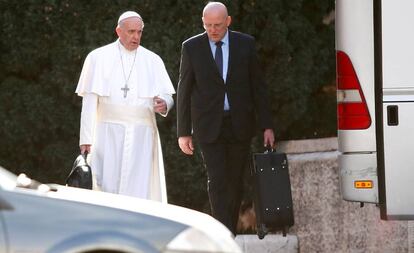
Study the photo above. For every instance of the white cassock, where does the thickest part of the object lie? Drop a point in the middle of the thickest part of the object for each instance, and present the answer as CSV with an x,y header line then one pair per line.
x,y
126,155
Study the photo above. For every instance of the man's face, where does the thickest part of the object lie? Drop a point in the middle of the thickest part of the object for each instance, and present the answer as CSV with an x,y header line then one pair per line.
x,y
129,32
215,24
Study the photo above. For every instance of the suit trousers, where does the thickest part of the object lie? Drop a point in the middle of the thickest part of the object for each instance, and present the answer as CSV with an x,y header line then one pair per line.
x,y
225,160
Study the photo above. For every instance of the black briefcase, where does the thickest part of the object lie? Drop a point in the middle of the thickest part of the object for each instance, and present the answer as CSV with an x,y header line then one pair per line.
x,y
81,174
273,196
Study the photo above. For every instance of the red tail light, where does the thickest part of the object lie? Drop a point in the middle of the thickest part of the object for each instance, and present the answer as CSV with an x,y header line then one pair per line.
x,y
352,108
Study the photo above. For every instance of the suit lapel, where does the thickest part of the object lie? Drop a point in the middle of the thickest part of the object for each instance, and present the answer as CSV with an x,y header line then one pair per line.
x,y
211,63
207,51
232,53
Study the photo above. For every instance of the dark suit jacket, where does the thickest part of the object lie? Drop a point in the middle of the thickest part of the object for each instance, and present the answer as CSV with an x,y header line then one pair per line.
x,y
200,95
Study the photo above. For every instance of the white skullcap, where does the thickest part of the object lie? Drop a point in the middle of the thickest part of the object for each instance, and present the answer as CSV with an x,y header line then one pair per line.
x,y
128,14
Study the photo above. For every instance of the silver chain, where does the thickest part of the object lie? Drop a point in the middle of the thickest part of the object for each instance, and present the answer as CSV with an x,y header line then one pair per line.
x,y
123,69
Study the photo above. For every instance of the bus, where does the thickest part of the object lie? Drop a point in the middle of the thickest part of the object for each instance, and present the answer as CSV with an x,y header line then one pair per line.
x,y
375,103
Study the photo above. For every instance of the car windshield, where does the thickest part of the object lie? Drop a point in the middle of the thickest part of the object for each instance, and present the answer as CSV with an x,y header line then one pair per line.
x,y
7,179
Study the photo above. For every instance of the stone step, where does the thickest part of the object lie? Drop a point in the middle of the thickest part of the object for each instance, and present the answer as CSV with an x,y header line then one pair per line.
x,y
272,243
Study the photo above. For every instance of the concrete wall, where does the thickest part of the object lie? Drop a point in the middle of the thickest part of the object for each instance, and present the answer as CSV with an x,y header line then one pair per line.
x,y
326,223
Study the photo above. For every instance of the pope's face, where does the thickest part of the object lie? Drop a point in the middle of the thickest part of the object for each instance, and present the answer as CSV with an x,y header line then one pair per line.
x,y
215,23
129,32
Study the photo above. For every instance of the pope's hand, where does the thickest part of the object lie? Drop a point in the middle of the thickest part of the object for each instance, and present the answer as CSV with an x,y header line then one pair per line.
x,y
186,144
160,106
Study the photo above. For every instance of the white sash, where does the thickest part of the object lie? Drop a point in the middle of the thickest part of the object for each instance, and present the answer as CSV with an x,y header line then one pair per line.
x,y
126,114
123,114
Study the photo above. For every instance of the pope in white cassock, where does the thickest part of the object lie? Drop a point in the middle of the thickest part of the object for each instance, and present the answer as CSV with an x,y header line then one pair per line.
x,y
122,86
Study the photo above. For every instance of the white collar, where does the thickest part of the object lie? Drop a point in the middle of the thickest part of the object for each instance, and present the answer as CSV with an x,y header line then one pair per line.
x,y
124,50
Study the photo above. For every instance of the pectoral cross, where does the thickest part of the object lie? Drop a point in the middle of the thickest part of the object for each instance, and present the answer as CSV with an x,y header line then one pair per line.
x,y
125,90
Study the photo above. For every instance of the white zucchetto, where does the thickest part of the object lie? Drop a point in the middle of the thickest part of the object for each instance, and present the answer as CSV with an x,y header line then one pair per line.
x,y
128,14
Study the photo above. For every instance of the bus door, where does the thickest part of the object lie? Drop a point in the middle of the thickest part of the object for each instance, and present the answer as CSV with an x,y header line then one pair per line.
x,y
397,21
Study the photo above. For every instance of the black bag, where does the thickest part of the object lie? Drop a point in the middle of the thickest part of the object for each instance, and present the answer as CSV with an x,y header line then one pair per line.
x,y
273,196
81,173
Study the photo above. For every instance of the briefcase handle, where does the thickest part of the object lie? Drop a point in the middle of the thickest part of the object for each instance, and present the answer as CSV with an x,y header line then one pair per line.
x,y
85,156
269,149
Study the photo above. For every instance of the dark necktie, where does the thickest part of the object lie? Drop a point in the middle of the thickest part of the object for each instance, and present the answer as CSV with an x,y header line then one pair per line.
x,y
218,57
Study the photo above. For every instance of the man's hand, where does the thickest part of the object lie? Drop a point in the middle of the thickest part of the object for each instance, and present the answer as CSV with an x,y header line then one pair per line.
x,y
269,138
85,148
186,144
160,106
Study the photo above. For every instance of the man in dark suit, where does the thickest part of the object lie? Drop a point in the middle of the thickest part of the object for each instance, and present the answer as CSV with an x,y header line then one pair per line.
x,y
220,94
